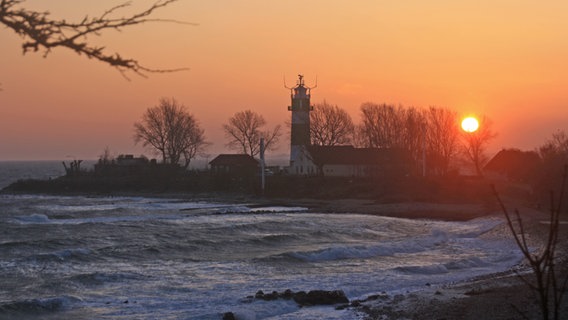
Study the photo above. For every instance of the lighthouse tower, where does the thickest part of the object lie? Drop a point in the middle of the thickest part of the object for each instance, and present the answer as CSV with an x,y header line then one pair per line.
x,y
300,133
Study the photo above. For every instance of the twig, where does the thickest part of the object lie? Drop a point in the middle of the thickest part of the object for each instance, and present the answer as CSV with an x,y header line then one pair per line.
x,y
543,264
40,32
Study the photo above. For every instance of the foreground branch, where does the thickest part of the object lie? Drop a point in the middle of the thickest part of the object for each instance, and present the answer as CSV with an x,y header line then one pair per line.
x,y
42,33
550,288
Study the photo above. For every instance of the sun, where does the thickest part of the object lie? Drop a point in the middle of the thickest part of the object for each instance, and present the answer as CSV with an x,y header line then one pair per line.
x,y
469,124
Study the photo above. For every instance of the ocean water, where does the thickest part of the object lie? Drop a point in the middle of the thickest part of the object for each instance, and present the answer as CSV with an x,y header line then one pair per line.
x,y
11,171
149,258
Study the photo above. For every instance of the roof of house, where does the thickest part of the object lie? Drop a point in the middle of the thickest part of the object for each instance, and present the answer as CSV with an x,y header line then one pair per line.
x,y
349,155
234,160
508,160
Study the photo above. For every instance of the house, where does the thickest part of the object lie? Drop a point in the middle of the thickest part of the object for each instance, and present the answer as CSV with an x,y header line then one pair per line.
x,y
512,165
348,161
234,165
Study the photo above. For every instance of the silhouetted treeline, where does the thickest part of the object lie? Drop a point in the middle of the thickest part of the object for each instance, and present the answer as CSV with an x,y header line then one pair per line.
x,y
432,136
548,176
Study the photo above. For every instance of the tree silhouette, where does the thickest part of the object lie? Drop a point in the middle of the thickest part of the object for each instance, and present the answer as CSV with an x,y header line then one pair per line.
x,y
390,126
40,32
556,147
554,155
244,133
381,126
475,144
550,279
172,131
442,138
330,125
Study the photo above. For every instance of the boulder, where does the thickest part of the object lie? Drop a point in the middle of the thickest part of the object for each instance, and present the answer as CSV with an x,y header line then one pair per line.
x,y
312,298
266,296
320,297
229,316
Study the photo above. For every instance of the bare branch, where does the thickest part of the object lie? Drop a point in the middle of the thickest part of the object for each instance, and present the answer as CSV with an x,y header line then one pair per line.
x,y
171,131
244,133
547,287
330,125
42,33
441,133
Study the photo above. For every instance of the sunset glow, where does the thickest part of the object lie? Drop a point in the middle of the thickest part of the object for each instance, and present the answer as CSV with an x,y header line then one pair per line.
x,y
506,60
469,124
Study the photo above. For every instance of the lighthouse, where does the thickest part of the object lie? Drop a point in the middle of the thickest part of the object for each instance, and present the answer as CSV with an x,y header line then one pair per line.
x,y
300,131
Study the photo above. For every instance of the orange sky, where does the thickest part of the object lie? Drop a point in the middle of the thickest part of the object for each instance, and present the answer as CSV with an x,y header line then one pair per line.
x,y
505,59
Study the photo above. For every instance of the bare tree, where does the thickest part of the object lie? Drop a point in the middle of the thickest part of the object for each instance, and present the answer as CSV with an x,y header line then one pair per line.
x,y
442,138
244,133
330,125
381,126
556,147
43,33
475,144
550,283
554,155
389,126
413,136
171,131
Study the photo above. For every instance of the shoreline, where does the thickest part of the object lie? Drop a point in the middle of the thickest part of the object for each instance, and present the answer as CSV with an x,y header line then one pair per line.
x,y
407,209
450,211
492,296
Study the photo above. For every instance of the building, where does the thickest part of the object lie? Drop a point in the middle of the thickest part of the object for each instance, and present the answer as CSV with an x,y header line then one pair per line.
x,y
234,165
348,161
300,131
512,165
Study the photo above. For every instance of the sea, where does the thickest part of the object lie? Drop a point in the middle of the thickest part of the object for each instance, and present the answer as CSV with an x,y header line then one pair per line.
x,y
87,257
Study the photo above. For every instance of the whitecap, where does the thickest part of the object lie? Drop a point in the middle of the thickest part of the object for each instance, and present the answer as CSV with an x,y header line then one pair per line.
x,y
278,209
34,218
